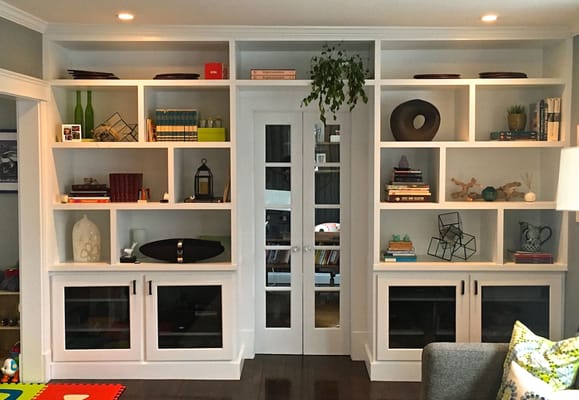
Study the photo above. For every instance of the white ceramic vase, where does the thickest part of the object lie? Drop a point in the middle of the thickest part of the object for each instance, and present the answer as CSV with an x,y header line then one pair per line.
x,y
86,241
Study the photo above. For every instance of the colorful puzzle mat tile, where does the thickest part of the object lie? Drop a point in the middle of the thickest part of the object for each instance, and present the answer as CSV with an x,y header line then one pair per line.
x,y
80,391
20,391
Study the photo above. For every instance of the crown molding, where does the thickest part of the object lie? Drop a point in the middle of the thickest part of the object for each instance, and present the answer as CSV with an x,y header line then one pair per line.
x,y
152,33
20,17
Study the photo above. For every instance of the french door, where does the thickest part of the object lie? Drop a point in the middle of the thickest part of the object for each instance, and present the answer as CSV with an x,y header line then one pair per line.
x,y
302,278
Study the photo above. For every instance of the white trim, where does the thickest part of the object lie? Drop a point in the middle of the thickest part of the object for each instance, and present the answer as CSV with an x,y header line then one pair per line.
x,y
20,17
23,86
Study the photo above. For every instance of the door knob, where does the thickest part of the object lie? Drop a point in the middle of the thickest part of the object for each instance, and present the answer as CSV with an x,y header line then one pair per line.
x,y
295,249
308,248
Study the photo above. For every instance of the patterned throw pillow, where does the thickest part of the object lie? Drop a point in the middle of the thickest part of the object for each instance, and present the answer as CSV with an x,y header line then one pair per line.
x,y
521,385
555,363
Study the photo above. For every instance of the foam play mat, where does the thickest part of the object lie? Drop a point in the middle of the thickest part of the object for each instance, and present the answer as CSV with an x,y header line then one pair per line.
x,y
20,391
60,391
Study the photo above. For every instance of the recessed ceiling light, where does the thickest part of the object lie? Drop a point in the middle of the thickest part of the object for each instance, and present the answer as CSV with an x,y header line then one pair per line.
x,y
124,16
489,18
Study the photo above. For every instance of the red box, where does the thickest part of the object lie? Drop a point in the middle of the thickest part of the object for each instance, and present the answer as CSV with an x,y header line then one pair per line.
x,y
215,70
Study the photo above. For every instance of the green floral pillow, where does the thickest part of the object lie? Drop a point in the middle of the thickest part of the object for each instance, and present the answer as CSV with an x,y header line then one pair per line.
x,y
555,363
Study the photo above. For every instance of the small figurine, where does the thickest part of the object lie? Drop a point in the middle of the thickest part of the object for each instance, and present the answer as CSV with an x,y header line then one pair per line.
x,y
128,254
403,163
10,371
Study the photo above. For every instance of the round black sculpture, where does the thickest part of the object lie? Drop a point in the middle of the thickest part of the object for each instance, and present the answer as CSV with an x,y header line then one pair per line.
x,y
403,116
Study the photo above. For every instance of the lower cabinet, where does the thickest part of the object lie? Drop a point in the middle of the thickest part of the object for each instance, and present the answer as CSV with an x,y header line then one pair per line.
x,y
142,316
413,311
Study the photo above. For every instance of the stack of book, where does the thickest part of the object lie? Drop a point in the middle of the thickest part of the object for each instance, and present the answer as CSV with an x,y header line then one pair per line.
x,y
545,118
89,193
407,185
526,257
514,135
273,74
400,251
176,125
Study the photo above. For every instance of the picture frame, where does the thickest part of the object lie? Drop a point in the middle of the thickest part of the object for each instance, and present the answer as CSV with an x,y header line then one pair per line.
x,y
71,132
8,162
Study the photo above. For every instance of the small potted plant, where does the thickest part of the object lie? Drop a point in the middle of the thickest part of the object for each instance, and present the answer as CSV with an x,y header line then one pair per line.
x,y
516,117
336,78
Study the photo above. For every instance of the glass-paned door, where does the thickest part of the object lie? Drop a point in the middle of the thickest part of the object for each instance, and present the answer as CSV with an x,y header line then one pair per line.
x,y
96,317
302,304
498,300
413,312
189,316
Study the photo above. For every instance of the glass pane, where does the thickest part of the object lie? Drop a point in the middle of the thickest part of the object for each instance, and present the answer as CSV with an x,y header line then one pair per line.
x,y
189,317
327,226
327,185
277,267
277,227
503,305
277,143
277,185
97,317
327,144
327,309
277,309
327,267
419,315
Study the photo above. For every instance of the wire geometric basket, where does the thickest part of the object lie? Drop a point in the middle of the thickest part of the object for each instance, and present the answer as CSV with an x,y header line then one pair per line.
x,y
115,129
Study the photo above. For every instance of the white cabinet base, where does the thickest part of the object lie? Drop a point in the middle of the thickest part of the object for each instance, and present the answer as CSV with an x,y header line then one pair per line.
x,y
218,370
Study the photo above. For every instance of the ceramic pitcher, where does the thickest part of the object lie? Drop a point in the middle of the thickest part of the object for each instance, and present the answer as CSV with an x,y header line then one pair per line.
x,y
533,237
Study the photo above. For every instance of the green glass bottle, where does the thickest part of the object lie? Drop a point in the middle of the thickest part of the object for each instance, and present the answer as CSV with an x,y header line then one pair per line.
x,y
88,117
78,115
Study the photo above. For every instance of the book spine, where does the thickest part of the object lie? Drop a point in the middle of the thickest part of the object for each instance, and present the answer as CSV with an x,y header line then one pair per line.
x,y
408,198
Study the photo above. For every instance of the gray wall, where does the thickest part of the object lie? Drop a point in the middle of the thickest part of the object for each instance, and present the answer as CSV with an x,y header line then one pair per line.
x,y
572,292
21,49
8,201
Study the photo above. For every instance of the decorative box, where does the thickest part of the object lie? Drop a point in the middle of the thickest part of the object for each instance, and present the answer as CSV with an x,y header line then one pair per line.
x,y
211,134
215,70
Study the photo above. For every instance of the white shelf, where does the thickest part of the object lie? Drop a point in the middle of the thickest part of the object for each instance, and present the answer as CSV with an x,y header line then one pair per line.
x,y
141,267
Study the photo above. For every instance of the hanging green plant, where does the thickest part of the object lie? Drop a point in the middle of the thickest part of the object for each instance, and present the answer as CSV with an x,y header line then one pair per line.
x,y
330,73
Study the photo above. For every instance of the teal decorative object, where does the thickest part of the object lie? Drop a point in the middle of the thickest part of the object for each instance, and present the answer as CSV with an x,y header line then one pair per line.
x,y
489,193
78,115
88,117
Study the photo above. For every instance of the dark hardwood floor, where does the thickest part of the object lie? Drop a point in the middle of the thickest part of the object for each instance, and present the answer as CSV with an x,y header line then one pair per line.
x,y
269,377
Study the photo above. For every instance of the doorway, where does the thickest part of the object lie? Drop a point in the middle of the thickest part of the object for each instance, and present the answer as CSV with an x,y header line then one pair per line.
x,y
302,279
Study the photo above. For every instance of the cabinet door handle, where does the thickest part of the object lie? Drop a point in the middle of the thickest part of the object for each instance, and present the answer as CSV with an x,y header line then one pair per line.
x,y
134,286
150,288
476,288
462,287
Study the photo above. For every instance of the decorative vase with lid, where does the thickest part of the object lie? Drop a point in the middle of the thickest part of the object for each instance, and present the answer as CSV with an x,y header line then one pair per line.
x,y
86,241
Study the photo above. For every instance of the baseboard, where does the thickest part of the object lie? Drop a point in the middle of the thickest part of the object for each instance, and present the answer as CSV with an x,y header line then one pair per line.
x,y
392,371
204,370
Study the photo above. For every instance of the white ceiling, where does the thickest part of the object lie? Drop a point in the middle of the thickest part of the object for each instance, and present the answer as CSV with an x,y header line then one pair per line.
x,y
414,13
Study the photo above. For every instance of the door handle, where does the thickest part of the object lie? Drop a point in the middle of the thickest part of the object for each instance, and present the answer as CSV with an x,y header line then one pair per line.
x,y
295,249
134,286
476,287
308,248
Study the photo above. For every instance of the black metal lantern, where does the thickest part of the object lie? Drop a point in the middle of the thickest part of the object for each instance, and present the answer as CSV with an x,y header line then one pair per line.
x,y
203,182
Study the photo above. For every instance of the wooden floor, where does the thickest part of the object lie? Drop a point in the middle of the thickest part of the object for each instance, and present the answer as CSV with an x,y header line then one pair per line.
x,y
280,378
